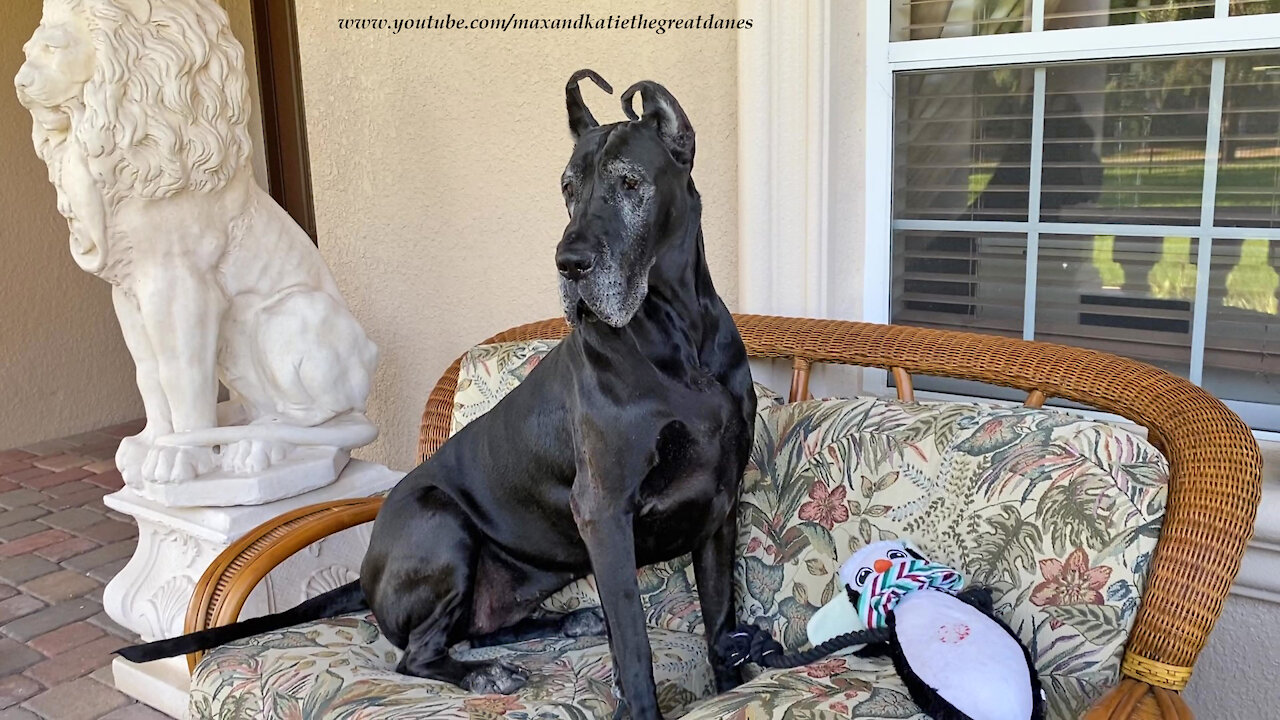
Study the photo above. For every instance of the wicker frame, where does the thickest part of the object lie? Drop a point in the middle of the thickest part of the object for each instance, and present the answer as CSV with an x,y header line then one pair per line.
x,y
1213,497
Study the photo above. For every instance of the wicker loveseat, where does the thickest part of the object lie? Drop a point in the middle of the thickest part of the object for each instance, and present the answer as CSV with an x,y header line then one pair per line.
x,y
1110,558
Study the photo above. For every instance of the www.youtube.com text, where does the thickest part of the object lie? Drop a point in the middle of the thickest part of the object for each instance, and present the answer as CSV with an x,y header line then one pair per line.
x,y
583,21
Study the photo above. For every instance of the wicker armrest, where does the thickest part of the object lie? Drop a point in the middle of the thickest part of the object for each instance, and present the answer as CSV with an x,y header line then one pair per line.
x,y
222,590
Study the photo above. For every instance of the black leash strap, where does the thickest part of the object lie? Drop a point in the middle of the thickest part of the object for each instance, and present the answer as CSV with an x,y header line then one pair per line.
x,y
751,643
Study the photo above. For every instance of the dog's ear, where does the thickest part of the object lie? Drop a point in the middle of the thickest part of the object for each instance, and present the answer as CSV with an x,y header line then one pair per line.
x,y
580,118
661,107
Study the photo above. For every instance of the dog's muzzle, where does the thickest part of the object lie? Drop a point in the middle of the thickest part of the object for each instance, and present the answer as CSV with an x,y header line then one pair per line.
x,y
574,261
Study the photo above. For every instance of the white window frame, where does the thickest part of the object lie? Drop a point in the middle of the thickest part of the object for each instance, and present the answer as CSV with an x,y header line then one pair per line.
x,y
1209,36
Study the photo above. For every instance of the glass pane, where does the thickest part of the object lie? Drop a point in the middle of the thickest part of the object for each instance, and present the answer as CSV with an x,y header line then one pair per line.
x,y
962,144
1124,141
1254,7
1242,338
929,19
1064,14
1249,155
959,280
1131,296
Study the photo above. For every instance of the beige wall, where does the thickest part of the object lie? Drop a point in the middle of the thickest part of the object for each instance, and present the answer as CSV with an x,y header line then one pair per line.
x,y
1236,674
63,365
435,160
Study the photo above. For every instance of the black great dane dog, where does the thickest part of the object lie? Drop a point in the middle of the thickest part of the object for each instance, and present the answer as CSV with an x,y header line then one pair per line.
x,y
625,446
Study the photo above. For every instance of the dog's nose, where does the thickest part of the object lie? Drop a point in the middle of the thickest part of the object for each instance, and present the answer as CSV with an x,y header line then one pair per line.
x,y
573,260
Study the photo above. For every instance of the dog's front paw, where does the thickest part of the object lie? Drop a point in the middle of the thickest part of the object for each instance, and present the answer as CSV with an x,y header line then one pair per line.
x,y
728,679
253,456
176,464
496,678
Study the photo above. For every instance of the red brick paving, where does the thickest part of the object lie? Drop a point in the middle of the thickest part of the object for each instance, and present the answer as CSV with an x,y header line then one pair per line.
x,y
65,638
68,548
31,543
79,541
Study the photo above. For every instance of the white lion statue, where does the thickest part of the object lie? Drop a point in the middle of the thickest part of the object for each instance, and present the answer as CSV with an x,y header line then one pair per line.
x,y
140,110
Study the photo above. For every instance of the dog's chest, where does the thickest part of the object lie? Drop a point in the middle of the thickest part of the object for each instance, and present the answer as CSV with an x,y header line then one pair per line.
x,y
693,483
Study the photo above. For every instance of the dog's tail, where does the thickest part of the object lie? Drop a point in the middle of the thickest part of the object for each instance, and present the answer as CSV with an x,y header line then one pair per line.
x,y
346,599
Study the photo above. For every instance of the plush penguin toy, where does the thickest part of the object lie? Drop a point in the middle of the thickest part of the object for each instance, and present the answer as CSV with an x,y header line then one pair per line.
x,y
957,659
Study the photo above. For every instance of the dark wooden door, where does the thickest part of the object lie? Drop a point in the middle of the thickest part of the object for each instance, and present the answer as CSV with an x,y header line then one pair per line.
x,y
283,119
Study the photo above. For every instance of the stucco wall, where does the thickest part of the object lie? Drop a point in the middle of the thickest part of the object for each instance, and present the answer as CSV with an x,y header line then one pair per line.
x,y
1236,674
436,157
63,366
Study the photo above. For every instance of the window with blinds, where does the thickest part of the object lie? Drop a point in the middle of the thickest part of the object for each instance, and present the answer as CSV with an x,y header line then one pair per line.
x,y
1130,205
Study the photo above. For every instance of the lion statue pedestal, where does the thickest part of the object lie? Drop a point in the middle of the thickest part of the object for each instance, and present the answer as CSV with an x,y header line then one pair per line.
x,y
140,111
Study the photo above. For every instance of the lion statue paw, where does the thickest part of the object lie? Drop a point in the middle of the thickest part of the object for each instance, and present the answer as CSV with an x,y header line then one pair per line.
x,y
176,464
253,456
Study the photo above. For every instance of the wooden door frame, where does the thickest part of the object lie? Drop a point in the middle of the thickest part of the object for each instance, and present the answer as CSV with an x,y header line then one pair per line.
x,y
284,126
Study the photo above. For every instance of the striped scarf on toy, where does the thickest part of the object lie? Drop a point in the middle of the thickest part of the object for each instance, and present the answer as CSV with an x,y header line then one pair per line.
x,y
882,592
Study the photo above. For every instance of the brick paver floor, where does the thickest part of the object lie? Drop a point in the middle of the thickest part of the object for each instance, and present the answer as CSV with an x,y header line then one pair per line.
x,y
59,545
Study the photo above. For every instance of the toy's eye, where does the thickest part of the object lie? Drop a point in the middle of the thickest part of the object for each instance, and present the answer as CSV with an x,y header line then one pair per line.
x,y
862,575
896,555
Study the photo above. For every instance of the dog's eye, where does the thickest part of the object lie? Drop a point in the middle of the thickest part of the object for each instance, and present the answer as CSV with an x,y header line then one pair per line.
x,y
567,189
630,182
862,576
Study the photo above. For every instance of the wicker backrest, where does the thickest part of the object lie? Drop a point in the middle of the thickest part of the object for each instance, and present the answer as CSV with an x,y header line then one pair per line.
x,y
1215,464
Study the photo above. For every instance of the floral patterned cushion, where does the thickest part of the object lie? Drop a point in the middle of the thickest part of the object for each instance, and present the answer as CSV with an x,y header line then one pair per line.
x,y
839,688
344,669
1058,514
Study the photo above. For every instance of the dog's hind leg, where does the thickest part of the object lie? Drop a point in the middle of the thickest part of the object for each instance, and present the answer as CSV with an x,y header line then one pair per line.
x,y
421,570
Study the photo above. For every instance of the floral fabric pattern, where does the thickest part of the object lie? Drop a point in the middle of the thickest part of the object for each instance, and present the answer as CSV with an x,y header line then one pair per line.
x,y
343,669
836,688
1058,514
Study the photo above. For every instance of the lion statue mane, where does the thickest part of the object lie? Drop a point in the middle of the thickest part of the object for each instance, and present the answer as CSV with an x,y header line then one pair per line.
x,y
140,108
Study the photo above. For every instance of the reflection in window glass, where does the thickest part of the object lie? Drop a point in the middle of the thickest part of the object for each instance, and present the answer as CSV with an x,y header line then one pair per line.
x,y
1066,14
1242,337
1121,197
963,144
1124,141
959,281
1131,296
1249,154
1254,7
929,19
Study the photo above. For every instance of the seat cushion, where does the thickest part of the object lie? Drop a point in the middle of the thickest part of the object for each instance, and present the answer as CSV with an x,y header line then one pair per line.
x,y
838,688
1057,513
344,668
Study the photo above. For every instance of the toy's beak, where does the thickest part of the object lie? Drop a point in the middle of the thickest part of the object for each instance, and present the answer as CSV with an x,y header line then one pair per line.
x,y
835,618
882,565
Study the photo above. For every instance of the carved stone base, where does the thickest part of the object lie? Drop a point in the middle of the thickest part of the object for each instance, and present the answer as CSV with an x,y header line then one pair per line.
x,y
305,470
151,593
175,545
163,684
